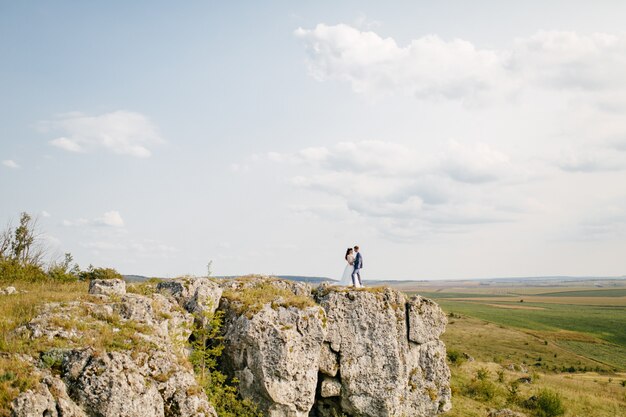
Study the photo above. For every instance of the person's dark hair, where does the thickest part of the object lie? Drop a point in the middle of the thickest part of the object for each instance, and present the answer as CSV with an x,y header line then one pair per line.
x,y
347,253
356,247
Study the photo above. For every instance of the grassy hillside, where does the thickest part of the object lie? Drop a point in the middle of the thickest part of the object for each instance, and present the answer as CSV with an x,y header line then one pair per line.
x,y
572,343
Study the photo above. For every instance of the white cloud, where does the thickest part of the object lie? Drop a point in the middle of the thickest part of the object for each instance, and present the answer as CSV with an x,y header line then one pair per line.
x,y
111,218
44,213
9,163
430,67
67,144
121,132
398,188
475,165
145,248
568,60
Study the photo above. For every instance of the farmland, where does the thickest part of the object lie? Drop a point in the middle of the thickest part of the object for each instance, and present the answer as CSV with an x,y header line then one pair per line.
x,y
567,337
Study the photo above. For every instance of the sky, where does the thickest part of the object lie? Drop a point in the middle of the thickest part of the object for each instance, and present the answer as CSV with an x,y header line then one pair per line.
x,y
448,139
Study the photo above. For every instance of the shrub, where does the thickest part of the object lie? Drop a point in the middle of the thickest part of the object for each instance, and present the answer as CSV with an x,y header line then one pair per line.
x,y
64,271
455,357
482,374
501,376
545,403
481,390
99,273
207,344
12,271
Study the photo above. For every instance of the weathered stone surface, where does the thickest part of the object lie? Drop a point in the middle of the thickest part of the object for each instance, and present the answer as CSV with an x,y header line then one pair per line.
x,y
330,388
147,380
426,320
107,287
35,403
196,295
111,384
382,372
65,405
10,290
365,352
329,362
275,355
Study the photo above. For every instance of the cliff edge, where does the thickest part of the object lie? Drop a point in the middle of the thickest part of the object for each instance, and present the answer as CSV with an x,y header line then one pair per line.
x,y
295,350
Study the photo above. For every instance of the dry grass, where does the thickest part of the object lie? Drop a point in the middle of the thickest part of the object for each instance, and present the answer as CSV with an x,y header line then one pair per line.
x,y
251,298
102,332
586,394
495,347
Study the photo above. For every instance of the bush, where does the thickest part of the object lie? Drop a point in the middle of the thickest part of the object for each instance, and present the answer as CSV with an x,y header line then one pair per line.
x,y
99,273
455,357
11,271
64,271
481,390
545,403
482,374
207,344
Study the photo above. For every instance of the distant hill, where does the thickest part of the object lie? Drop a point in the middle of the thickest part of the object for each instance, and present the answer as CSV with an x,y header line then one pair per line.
x,y
299,278
310,280
135,278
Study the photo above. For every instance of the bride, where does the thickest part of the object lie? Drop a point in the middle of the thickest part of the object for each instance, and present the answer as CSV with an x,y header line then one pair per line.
x,y
346,278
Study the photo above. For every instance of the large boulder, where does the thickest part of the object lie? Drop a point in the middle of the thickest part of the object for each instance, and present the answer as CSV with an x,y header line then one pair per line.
x,y
275,356
384,369
107,287
196,295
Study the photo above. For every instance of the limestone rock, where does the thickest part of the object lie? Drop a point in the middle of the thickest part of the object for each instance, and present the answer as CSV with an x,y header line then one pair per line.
x,y
35,403
382,371
10,290
329,362
275,355
330,388
147,379
426,320
196,295
107,287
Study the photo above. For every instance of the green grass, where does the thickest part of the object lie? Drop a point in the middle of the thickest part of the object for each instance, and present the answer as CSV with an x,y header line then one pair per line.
x,y
444,295
494,347
613,292
604,326
606,323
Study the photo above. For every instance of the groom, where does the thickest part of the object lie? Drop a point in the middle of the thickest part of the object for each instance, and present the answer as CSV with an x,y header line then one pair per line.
x,y
358,264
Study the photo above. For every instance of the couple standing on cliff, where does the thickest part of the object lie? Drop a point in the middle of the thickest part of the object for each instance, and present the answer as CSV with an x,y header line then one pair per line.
x,y
352,272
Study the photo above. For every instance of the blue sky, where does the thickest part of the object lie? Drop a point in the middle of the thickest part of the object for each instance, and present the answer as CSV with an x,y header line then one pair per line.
x,y
448,139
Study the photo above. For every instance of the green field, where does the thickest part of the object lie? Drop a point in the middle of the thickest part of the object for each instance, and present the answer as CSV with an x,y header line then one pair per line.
x,y
570,342
606,326
613,292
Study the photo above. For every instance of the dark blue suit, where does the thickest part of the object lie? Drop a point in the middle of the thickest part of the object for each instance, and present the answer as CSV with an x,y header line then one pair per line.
x,y
356,274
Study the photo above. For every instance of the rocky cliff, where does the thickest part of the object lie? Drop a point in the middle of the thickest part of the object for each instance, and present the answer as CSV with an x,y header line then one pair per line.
x,y
295,350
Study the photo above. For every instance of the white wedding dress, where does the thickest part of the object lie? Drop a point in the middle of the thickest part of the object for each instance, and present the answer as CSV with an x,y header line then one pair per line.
x,y
346,278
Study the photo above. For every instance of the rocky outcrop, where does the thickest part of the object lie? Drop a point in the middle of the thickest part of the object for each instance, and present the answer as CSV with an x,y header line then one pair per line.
x,y
390,359
107,287
275,356
295,350
123,357
366,352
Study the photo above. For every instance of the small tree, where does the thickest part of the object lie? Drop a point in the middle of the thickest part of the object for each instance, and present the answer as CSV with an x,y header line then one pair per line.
x,y
208,345
64,270
20,244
